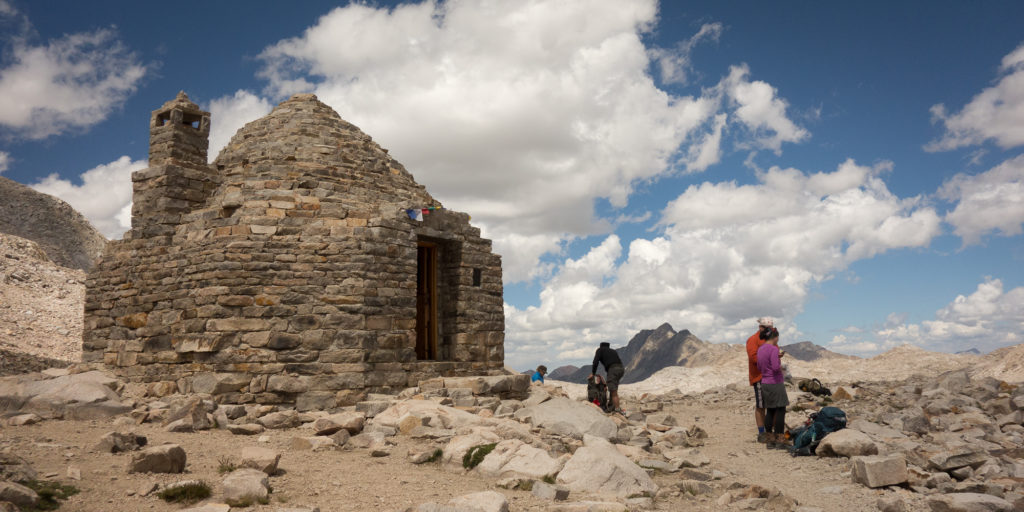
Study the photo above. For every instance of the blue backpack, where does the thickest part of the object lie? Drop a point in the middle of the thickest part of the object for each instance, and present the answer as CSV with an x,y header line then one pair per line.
x,y
820,424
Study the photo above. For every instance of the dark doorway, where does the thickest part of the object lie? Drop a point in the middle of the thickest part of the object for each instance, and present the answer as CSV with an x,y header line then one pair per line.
x,y
426,301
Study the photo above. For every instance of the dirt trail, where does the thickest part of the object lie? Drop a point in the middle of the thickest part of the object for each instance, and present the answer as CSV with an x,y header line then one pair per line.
x,y
813,481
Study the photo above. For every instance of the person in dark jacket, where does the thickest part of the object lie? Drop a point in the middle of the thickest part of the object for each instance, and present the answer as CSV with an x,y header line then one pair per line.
x,y
607,356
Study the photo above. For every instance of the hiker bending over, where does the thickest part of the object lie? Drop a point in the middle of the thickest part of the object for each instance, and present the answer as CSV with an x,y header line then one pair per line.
x,y
753,343
774,389
613,366
538,376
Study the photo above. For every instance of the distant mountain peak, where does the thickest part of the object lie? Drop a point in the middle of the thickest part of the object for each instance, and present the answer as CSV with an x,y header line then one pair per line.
x,y
651,350
809,351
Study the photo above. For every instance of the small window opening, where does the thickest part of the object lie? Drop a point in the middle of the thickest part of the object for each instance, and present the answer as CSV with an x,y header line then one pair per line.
x,y
163,119
191,120
476,277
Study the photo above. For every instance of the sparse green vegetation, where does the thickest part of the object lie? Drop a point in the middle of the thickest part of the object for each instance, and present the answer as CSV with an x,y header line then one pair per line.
x,y
225,465
549,479
436,456
475,455
190,492
525,485
50,493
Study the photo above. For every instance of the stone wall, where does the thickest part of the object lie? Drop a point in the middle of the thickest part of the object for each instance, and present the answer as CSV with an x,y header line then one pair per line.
x,y
286,271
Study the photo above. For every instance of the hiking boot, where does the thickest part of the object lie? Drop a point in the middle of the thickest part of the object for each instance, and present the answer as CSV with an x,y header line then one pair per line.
x,y
762,437
779,442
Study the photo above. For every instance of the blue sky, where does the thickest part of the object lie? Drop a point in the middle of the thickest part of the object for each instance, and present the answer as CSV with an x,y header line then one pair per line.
x,y
854,170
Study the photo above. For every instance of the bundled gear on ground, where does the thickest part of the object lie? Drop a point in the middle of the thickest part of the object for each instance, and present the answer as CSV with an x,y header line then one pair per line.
x,y
815,387
597,392
817,426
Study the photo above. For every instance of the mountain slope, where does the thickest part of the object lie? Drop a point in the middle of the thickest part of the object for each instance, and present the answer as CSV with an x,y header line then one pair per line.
x,y
808,351
64,234
651,350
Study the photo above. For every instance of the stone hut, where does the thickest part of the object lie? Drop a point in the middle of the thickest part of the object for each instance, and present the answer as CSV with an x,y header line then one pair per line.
x,y
305,266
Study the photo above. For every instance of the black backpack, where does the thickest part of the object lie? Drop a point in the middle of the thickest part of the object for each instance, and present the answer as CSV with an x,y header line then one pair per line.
x,y
819,425
597,393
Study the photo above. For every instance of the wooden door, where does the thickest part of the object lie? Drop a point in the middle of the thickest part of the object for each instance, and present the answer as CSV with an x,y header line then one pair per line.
x,y
426,301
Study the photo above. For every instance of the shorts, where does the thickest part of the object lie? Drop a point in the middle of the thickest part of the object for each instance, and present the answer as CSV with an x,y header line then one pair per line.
x,y
758,395
615,374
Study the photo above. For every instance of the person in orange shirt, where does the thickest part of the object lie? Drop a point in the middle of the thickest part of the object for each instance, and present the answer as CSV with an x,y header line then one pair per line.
x,y
753,343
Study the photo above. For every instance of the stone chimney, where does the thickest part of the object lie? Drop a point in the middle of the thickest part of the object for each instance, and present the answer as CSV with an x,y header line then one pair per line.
x,y
178,177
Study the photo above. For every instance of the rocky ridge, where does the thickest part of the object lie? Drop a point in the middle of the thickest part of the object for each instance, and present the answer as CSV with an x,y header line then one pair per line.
x,y
61,231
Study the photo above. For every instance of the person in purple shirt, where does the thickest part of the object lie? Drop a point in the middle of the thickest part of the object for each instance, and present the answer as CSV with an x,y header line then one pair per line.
x,y
773,386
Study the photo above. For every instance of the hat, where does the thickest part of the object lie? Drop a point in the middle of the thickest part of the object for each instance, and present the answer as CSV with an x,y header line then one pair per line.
x,y
765,321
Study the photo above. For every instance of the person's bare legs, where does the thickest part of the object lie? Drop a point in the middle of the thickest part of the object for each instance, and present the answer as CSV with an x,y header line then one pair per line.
x,y
615,400
759,417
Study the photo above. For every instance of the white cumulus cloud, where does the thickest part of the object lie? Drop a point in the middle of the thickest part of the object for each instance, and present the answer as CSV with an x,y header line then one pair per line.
x,y
987,202
996,113
675,66
761,111
68,83
987,319
104,195
524,113
728,254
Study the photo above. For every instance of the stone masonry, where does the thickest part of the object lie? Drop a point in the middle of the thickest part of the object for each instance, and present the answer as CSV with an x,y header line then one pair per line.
x,y
288,271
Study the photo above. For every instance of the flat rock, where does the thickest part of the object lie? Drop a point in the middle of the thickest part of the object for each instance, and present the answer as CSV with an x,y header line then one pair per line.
x,y
372,408
514,458
546,491
280,420
24,419
166,458
350,421
879,470
18,494
245,486
968,502
209,507
486,501
246,429
459,445
569,417
587,506
846,443
954,459
431,414
598,467
257,457
115,442
313,443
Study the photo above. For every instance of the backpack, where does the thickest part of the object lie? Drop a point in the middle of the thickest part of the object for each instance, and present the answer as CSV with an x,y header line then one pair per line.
x,y
814,386
597,393
819,425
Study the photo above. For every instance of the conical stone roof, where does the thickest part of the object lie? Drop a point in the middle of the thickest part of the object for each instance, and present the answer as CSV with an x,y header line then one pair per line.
x,y
304,136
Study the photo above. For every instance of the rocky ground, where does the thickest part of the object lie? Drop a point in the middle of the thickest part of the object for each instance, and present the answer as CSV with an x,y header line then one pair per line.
x,y
952,443
40,308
